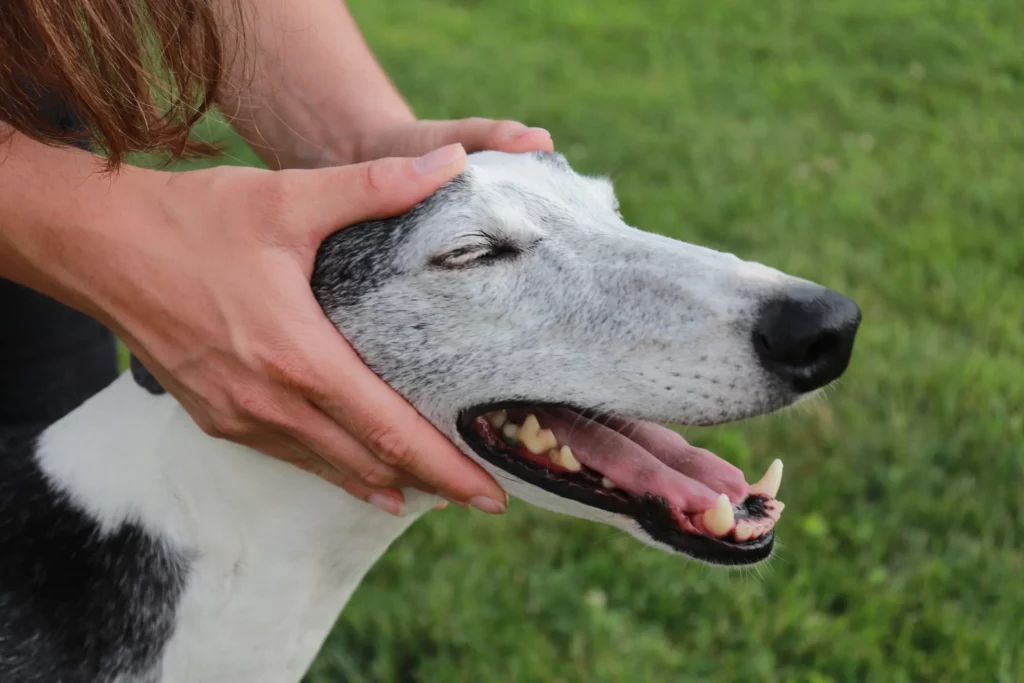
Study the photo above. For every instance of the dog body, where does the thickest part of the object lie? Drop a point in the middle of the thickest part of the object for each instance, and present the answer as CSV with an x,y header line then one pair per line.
x,y
136,549
181,557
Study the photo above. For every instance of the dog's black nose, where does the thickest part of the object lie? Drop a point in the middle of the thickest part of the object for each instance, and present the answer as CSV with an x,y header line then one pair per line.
x,y
806,337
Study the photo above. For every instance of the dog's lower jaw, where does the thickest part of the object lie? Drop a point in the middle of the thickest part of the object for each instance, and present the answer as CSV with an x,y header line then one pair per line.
x,y
274,553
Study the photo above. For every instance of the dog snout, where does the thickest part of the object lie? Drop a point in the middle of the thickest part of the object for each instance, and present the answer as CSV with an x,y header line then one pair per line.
x,y
806,337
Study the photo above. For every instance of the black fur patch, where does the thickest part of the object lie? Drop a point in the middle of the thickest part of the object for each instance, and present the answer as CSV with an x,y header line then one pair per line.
x,y
555,159
77,606
351,261
355,260
142,377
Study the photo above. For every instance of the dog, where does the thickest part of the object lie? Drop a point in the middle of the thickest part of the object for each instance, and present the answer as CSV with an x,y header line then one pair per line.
x,y
519,313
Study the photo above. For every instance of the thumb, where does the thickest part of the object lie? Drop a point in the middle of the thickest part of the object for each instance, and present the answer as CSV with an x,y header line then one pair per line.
x,y
340,196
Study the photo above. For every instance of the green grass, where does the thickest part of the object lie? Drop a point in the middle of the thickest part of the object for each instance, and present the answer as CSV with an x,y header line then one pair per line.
x,y
876,146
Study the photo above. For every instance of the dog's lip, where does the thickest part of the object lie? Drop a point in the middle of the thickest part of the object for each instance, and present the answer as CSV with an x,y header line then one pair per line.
x,y
656,516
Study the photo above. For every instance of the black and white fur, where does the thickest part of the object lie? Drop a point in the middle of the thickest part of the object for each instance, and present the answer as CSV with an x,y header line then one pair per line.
x,y
136,549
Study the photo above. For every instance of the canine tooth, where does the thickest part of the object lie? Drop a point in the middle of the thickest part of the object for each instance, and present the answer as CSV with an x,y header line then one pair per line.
x,y
744,531
564,458
770,482
719,519
498,418
511,432
608,483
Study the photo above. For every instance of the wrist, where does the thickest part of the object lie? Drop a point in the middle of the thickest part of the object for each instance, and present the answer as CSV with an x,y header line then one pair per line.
x,y
305,86
323,143
62,217
359,144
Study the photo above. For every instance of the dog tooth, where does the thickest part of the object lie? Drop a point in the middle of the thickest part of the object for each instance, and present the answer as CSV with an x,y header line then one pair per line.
x,y
530,427
497,418
744,531
511,432
531,441
566,459
546,440
538,442
770,482
608,483
535,439
720,518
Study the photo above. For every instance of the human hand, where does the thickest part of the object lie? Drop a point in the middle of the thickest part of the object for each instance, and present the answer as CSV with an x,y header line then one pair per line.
x,y
413,138
214,298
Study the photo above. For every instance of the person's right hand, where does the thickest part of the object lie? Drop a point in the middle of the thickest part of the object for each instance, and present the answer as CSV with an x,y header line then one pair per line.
x,y
214,298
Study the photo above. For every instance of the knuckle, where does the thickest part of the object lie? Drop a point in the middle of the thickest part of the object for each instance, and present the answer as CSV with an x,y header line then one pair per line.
x,y
392,447
376,475
227,426
374,178
252,406
501,131
286,368
209,428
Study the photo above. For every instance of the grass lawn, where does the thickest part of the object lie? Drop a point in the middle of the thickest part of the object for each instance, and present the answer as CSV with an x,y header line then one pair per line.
x,y
876,146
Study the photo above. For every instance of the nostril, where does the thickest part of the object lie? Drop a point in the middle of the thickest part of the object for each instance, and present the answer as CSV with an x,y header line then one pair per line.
x,y
822,347
806,338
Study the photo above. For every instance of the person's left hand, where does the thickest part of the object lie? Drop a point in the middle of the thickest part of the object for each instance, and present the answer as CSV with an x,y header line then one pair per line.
x,y
419,137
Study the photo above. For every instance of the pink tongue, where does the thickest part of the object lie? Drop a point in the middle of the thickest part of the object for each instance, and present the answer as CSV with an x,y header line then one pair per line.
x,y
642,457
696,463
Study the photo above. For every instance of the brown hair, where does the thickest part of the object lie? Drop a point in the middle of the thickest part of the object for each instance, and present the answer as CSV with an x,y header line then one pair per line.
x,y
139,74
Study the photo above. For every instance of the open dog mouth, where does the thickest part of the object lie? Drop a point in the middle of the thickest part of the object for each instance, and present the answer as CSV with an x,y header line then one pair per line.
x,y
683,496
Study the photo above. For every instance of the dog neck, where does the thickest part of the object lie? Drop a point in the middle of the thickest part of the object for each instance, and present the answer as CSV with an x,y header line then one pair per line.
x,y
273,553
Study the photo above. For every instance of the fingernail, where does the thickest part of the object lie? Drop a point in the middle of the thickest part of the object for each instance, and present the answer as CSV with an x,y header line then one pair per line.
x,y
487,505
438,159
441,506
387,504
531,130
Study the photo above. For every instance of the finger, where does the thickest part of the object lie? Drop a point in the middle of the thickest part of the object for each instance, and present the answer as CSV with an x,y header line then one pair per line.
x,y
389,427
294,452
323,436
334,198
478,134
391,501
290,450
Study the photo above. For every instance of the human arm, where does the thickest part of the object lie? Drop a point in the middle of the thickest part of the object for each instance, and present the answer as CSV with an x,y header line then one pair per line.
x,y
304,90
167,261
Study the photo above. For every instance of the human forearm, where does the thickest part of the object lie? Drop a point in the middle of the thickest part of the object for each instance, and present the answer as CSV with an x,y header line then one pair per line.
x,y
305,83
58,213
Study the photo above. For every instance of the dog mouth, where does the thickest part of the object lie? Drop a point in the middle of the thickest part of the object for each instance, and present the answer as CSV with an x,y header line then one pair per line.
x,y
682,496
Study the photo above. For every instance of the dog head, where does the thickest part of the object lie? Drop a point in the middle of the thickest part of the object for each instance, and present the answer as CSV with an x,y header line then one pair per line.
x,y
519,313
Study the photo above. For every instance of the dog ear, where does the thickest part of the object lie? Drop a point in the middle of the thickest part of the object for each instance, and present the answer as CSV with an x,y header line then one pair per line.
x,y
144,378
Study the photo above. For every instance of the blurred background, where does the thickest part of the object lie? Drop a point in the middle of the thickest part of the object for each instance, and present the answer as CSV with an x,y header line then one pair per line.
x,y
874,146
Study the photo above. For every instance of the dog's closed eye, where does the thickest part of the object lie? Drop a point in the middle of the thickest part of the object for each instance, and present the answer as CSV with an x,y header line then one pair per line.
x,y
479,253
